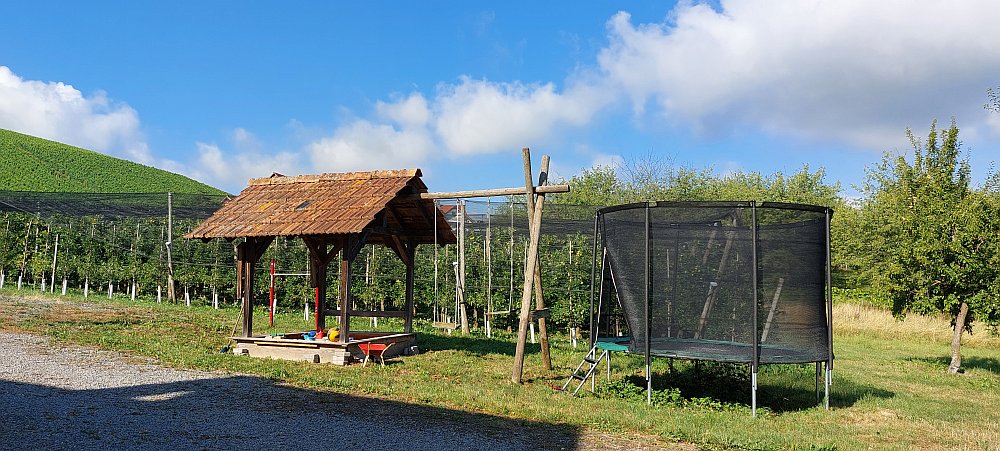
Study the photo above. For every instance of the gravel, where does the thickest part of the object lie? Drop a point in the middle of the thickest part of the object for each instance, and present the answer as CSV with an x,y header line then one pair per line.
x,y
59,397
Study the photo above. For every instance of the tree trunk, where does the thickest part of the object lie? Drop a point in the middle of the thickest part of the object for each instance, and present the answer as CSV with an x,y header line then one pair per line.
x,y
956,340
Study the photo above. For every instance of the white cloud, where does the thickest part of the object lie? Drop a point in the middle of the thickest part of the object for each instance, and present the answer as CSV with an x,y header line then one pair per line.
x,y
477,116
363,145
857,71
993,122
411,112
60,112
231,170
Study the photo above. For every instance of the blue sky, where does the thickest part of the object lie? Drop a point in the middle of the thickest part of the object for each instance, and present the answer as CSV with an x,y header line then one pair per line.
x,y
225,91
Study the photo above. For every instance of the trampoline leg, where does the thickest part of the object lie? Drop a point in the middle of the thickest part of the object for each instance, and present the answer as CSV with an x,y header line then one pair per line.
x,y
609,365
649,384
753,394
828,382
817,380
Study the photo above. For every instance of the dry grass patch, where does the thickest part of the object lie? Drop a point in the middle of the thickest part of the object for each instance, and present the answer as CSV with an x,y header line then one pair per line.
x,y
856,318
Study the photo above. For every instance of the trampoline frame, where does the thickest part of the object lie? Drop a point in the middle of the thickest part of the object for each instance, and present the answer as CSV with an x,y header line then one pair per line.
x,y
826,365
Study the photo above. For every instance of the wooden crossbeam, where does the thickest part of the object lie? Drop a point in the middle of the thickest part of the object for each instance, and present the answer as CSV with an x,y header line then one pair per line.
x,y
546,189
369,313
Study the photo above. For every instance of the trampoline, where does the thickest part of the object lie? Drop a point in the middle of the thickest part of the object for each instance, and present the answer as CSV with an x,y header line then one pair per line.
x,y
737,282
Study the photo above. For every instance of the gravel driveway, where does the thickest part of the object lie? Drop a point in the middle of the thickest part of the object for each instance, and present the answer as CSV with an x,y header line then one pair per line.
x,y
59,397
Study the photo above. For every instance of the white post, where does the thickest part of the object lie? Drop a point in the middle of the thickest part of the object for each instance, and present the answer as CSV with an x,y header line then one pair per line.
x,y
132,294
2,277
111,289
64,286
86,287
159,293
43,282
187,297
305,311
532,326
19,278
215,299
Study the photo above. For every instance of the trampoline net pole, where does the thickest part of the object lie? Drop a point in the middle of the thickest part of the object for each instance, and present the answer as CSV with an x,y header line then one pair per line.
x,y
593,270
649,372
828,378
754,362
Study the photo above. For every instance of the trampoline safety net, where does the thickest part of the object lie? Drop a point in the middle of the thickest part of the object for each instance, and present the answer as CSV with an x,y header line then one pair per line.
x,y
697,264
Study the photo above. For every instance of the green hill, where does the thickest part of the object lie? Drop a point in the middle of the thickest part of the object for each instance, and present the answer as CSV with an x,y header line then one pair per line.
x,y
28,163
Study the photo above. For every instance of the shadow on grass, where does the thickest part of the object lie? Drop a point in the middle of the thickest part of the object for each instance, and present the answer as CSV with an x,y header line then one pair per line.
x,y
244,412
980,363
478,346
781,388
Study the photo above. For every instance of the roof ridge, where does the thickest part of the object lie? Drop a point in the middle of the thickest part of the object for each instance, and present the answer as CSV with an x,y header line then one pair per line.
x,y
278,179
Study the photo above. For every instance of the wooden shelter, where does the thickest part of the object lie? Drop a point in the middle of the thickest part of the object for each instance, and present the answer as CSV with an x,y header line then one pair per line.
x,y
335,214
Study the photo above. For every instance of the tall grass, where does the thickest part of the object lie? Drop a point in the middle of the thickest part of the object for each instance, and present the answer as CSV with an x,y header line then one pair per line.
x,y
867,320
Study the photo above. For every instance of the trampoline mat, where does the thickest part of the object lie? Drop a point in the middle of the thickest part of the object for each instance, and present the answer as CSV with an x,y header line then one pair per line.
x,y
725,351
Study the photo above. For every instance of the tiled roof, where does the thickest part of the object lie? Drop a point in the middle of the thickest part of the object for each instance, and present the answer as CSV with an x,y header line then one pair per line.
x,y
329,204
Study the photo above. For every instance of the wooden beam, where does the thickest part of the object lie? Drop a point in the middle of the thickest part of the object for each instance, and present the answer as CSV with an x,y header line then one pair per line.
x,y
547,189
247,255
358,241
411,252
397,246
319,260
543,176
369,313
529,272
345,288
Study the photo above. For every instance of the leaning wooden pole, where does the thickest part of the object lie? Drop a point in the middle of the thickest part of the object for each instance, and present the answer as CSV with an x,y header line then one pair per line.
x,y
529,272
543,336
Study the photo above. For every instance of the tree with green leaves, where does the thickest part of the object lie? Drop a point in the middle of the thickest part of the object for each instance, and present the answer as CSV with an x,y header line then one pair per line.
x,y
930,237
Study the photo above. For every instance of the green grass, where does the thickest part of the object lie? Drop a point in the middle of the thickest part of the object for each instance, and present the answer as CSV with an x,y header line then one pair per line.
x,y
28,163
891,389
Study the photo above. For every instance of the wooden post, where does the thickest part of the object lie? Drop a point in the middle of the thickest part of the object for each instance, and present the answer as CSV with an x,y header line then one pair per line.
x,y
318,272
543,336
319,260
345,289
247,254
713,288
525,316
244,279
770,314
463,316
411,253
488,261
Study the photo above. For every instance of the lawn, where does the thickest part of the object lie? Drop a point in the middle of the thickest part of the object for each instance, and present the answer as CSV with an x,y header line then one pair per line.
x,y
891,389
